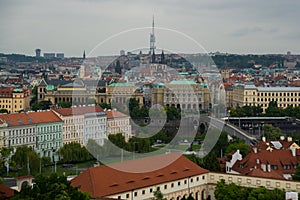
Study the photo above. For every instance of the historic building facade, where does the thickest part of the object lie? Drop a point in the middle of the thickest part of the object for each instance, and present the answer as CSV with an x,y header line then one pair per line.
x,y
74,122
118,122
14,99
249,94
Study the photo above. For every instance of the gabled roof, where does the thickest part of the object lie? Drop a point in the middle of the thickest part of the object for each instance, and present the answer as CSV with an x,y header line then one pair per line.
x,y
104,180
78,110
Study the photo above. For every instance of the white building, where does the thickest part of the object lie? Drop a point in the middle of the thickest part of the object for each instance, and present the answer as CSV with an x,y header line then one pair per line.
x,y
118,122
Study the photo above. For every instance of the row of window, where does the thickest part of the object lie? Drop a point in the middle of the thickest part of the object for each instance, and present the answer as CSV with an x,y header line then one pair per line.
x,y
48,137
47,129
9,101
19,132
24,140
280,94
151,190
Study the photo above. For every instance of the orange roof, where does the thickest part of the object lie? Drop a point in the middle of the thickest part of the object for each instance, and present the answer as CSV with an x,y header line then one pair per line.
x,y
275,157
29,118
114,114
6,192
81,110
260,173
107,180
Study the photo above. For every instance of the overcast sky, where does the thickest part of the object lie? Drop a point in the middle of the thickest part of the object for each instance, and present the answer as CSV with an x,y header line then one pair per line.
x,y
70,26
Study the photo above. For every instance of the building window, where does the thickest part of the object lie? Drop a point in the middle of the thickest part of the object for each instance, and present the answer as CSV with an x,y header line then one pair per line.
x,y
143,192
127,196
172,184
178,183
151,190
166,187
135,194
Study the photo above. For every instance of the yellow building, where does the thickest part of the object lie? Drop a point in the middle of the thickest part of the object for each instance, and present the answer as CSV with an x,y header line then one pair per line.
x,y
14,99
247,94
119,93
184,94
64,91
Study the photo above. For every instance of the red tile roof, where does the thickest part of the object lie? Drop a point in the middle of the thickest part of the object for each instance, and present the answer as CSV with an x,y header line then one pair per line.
x,y
29,118
275,157
81,110
6,192
260,173
107,180
111,114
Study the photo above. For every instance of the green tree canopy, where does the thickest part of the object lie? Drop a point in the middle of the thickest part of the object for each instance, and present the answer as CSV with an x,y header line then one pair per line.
x,y
230,191
51,187
272,132
73,153
26,157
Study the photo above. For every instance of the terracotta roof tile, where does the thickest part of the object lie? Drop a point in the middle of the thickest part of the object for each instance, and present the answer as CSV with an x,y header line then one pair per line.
x,y
78,110
6,192
275,157
29,118
114,114
107,180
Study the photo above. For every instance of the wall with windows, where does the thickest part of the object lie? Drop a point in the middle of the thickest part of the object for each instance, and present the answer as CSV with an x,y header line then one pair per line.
x,y
49,138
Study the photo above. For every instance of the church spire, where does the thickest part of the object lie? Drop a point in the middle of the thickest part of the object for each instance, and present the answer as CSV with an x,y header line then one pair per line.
x,y
84,54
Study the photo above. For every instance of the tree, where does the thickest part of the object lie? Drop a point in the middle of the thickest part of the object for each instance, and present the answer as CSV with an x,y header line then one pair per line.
x,y
271,132
51,187
64,104
26,157
105,105
233,191
3,110
73,153
158,195
119,140
242,146
273,110
211,162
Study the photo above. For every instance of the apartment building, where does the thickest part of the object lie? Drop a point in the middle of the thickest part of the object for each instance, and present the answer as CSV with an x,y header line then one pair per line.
x,y
118,122
40,130
73,118
14,99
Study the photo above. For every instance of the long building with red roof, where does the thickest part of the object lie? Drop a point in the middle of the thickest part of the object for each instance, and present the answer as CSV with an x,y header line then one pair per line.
x,y
174,175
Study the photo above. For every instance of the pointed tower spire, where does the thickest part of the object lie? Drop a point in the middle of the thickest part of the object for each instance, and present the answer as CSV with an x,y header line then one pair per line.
x,y
152,42
84,54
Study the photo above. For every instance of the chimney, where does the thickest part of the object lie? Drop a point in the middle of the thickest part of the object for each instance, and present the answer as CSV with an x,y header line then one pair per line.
x,y
294,151
254,149
264,139
289,139
269,168
263,167
282,137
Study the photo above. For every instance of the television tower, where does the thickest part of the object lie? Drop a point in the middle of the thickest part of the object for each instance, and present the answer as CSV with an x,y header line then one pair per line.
x,y
152,42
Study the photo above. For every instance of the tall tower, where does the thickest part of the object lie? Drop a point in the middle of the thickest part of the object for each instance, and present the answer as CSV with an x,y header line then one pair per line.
x,y
83,54
152,42
38,53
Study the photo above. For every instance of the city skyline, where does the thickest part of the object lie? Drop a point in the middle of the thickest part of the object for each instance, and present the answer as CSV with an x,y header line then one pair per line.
x,y
73,26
